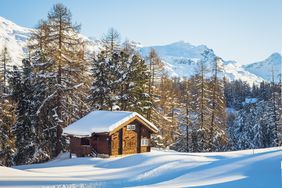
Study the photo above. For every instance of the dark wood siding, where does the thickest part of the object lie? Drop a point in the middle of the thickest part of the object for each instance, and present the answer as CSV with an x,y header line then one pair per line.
x,y
77,148
101,143
145,134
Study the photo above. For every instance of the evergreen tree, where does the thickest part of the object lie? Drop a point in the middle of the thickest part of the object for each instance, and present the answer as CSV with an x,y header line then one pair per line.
x,y
134,86
24,128
254,127
7,138
102,87
5,61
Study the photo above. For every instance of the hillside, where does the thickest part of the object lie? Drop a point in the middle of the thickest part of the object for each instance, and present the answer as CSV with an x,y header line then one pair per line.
x,y
244,169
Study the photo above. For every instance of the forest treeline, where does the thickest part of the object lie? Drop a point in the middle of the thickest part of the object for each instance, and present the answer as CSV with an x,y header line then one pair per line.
x,y
60,82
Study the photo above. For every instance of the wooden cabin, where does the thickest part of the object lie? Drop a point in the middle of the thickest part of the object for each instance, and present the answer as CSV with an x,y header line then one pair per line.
x,y
110,133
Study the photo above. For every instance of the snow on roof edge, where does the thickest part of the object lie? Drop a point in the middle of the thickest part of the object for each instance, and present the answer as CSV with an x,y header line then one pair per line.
x,y
82,127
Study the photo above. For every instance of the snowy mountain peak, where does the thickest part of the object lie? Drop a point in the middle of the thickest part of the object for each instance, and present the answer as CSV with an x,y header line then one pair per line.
x,y
275,58
9,25
265,68
14,37
178,49
181,60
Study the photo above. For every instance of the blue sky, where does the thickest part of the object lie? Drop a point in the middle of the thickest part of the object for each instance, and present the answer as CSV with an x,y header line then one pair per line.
x,y
241,30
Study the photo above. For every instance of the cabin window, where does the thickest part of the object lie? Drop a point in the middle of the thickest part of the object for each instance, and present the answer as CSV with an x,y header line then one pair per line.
x,y
131,127
144,142
84,141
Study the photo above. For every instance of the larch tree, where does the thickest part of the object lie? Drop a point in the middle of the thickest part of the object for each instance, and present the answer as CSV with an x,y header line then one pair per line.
x,y
156,72
59,77
66,49
217,126
163,112
183,142
202,98
111,42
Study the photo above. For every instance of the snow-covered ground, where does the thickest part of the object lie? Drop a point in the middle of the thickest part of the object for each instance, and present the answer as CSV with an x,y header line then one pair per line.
x,y
240,169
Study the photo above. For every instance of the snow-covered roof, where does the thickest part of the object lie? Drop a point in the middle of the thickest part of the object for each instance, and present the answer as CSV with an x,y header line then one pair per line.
x,y
103,121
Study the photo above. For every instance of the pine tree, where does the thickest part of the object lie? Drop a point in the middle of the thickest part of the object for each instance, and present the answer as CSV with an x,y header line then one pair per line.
x,y
132,93
274,108
5,61
24,128
43,83
102,87
254,127
7,138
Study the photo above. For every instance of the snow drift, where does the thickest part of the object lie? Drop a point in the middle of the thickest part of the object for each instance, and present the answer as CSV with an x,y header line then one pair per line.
x,y
244,169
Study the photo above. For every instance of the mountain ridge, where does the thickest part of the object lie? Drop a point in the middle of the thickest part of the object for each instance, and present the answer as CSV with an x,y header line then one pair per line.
x,y
267,67
180,58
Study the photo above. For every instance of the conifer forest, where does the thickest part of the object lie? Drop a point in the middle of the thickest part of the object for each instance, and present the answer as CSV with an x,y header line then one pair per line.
x,y
61,81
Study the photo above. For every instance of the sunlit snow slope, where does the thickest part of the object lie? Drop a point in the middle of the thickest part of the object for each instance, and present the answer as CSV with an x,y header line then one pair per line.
x,y
181,60
268,69
15,38
240,169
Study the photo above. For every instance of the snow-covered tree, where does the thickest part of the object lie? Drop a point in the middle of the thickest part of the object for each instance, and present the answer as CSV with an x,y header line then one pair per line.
x,y
134,85
120,81
183,142
217,126
163,112
24,129
5,61
7,138
254,127
62,50
201,108
102,86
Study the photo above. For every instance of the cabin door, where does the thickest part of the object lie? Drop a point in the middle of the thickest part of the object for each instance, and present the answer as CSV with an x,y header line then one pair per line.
x,y
120,142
